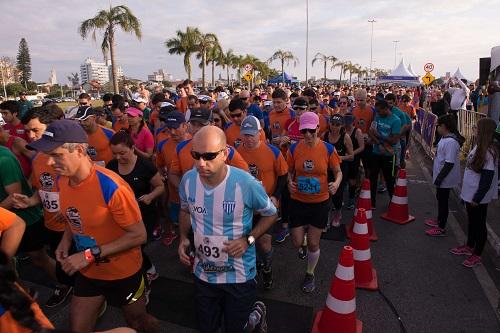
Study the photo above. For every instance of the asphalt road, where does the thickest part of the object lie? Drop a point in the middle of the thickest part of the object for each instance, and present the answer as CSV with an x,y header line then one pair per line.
x,y
429,288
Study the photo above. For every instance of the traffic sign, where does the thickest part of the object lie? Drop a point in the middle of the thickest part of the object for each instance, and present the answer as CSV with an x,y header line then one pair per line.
x,y
248,67
428,67
248,77
428,78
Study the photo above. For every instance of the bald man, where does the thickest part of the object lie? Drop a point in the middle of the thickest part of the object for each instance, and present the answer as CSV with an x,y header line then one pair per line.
x,y
217,202
253,109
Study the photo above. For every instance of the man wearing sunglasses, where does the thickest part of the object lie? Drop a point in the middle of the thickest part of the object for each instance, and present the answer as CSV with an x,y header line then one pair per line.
x,y
237,112
217,202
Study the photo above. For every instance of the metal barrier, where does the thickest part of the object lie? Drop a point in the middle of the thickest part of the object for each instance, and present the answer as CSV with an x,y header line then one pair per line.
x,y
467,121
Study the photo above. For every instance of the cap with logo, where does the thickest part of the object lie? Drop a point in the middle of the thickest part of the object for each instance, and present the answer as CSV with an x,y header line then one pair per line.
x,y
309,120
202,116
139,99
58,133
84,112
165,109
250,126
174,119
337,119
204,98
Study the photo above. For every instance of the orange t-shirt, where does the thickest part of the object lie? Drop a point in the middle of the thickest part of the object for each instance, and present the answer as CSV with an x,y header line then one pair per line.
x,y
118,126
6,219
363,118
266,163
183,161
310,165
410,110
182,104
233,135
99,149
97,209
277,121
166,154
43,178
323,124
161,134
10,325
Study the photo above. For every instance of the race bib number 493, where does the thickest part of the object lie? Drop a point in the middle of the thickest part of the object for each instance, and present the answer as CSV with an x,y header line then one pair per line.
x,y
209,248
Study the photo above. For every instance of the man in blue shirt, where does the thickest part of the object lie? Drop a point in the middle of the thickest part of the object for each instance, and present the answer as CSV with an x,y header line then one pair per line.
x,y
405,127
217,202
24,105
253,108
385,134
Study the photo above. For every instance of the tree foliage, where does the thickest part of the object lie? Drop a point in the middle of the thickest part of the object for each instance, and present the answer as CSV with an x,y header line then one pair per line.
x,y
24,62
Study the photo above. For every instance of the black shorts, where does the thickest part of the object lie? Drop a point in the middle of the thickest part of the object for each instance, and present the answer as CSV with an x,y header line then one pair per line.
x,y
353,170
117,292
33,238
315,214
255,222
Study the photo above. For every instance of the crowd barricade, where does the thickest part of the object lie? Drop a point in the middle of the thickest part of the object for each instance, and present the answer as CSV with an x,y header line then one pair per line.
x,y
424,130
467,121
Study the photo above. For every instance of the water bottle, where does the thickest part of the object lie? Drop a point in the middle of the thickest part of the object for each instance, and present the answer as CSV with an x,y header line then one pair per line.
x,y
253,321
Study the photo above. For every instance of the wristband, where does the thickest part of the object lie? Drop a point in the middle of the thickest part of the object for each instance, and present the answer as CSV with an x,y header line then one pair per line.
x,y
88,256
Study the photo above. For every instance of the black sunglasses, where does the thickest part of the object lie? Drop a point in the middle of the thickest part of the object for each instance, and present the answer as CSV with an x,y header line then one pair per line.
x,y
342,103
300,107
205,156
236,115
243,98
308,130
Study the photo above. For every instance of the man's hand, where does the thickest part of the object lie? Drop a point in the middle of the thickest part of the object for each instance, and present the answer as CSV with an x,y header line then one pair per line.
x,y
62,251
236,247
292,186
74,263
145,199
20,201
276,141
332,188
182,249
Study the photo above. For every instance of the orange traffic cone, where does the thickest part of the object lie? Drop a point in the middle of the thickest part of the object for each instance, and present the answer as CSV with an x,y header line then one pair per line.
x,y
364,201
398,208
365,274
339,314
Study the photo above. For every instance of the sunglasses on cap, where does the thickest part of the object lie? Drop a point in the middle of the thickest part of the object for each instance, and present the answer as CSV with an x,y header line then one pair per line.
x,y
308,130
206,156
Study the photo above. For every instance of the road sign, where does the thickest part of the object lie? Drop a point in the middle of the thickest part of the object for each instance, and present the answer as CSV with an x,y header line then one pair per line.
x,y
428,78
248,67
428,67
248,77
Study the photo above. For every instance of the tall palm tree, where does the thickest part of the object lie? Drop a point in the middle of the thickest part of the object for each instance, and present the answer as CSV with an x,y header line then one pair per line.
x,y
109,21
238,65
284,57
252,60
213,55
340,64
226,61
205,43
184,43
325,60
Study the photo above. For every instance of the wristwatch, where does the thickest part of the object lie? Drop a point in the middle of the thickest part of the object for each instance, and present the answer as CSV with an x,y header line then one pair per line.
x,y
250,240
96,252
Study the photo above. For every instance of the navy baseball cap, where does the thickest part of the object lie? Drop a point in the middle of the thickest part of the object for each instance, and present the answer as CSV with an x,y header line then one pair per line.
x,y
202,116
84,112
58,133
174,119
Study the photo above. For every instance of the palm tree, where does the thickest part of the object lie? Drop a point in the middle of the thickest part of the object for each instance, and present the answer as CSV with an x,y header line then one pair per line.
x,y
226,61
214,55
284,57
340,64
205,43
325,59
252,60
109,21
185,43
238,65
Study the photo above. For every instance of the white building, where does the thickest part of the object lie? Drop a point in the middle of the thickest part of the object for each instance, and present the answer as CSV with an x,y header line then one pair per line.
x,y
101,72
160,76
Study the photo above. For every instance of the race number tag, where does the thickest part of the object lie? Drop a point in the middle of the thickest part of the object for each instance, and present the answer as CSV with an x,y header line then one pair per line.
x,y
209,248
308,185
50,201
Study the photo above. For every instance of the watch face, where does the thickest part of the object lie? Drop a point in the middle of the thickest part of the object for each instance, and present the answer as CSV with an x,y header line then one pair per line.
x,y
95,251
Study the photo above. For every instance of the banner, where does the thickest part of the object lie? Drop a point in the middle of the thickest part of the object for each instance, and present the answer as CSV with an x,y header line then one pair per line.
x,y
417,126
429,129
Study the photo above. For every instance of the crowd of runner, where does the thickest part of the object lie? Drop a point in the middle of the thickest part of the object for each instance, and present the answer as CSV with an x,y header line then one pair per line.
x,y
228,171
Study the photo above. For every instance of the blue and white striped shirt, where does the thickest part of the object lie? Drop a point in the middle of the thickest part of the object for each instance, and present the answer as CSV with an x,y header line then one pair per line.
x,y
224,212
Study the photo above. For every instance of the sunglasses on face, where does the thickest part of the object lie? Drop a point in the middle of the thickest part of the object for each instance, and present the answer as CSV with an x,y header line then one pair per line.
x,y
308,130
243,98
342,103
205,156
216,120
236,115
300,108
313,107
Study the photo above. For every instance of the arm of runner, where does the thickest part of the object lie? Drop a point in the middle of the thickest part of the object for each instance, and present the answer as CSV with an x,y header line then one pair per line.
x,y
62,249
13,229
20,146
10,189
280,186
349,156
158,189
184,227
146,154
361,142
22,201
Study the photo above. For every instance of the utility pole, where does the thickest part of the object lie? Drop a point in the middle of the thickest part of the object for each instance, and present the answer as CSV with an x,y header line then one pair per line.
x,y
307,37
371,49
3,79
395,50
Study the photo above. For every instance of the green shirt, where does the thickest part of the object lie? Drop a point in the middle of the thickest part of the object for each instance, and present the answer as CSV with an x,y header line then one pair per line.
x,y
146,113
11,173
24,106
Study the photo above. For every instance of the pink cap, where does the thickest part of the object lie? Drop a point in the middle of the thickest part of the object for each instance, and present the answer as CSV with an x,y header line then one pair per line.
x,y
308,120
133,112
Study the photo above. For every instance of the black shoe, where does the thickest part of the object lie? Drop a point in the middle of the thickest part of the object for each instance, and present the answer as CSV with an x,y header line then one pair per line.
x,y
267,279
302,252
59,296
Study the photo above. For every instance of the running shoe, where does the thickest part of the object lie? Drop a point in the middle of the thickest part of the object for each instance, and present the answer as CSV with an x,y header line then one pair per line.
x,y
157,232
282,235
302,253
267,279
309,284
59,296
435,232
463,250
381,188
350,203
431,222
472,261
169,238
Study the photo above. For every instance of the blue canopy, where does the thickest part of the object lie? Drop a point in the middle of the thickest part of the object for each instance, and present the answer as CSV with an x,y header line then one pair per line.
x,y
279,79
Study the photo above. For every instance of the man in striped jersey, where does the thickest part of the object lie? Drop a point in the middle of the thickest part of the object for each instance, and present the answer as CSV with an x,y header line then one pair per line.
x,y
218,202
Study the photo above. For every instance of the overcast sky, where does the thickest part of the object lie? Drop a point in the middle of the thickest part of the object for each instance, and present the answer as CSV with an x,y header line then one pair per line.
x,y
448,33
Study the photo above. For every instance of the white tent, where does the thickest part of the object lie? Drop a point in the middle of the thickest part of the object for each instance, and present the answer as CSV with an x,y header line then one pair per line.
x,y
459,75
495,58
411,71
400,76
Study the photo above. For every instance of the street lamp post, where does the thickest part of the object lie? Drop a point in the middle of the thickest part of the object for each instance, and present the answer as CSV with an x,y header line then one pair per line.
x,y
371,48
307,37
3,79
395,50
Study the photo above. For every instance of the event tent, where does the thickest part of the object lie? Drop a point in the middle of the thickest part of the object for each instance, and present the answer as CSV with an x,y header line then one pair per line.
x,y
400,76
410,70
459,75
279,78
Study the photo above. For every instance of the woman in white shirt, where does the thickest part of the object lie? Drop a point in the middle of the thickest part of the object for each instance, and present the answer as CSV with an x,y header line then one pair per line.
x,y
478,190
